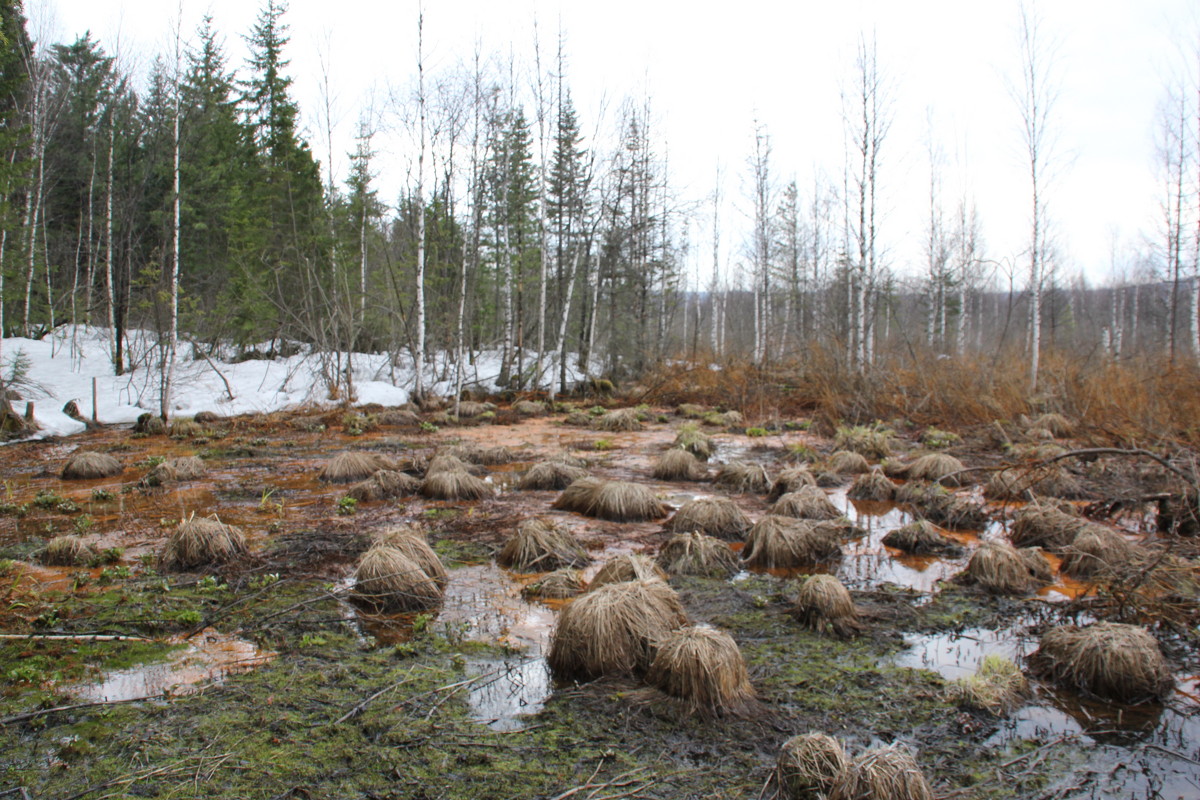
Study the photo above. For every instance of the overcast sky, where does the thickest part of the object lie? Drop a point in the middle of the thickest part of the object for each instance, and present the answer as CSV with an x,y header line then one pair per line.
x,y
712,69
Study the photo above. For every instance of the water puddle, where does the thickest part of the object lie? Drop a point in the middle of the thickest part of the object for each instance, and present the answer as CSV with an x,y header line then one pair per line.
x,y
206,658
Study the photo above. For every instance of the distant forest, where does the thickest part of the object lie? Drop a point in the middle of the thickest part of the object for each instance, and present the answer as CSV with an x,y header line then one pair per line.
x,y
194,207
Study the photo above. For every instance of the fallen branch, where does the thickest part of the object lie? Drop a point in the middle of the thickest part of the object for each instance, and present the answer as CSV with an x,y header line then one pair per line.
x,y
44,711
373,697
81,637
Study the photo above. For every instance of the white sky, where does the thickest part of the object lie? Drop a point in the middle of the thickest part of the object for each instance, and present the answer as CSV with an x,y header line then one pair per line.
x,y
710,69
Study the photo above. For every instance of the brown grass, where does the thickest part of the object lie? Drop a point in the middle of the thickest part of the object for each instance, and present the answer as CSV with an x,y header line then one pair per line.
x,y
678,465
1100,553
384,485
873,485
869,441
411,541
1109,660
691,439
67,551
846,462
449,462
558,585
739,476
613,630
578,496
540,545
714,516
824,604
529,408
703,667
387,580
483,456
790,480
786,542
697,554
470,408
627,567
86,466
999,569
936,467
996,687
201,541
1057,424
808,765
551,475
616,501
455,486
353,466
619,421
1034,561
1046,527
398,418
922,538
808,502
185,468
941,507
884,773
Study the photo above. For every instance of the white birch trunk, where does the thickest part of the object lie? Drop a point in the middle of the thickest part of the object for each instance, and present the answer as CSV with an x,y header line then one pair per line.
x,y
419,358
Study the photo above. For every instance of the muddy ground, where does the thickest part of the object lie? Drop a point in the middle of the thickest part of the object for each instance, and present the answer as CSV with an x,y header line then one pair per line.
x,y
261,679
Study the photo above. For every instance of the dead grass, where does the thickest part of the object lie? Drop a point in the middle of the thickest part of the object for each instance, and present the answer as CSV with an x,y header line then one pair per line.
x,y
398,418
1098,553
67,551
703,667
1057,424
87,466
872,441
443,485
387,580
201,541
1046,527
691,439
883,773
541,545
923,539
613,630
941,507
788,543
678,465
999,568
529,408
186,468
823,604
384,485
714,516
616,501
998,687
352,466
627,567
808,765
558,585
578,496
740,476
620,421
482,456
411,541
936,467
808,502
697,554
873,485
847,462
468,409
551,475
1109,660
790,480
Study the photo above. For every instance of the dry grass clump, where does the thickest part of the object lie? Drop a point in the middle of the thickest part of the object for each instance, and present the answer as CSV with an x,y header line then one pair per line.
x,y
198,542
847,462
1046,527
185,428
808,765
1009,484
558,585
410,540
539,545
384,485
873,485
870,441
786,543
627,567
790,480
678,465
470,408
449,462
185,468
691,411
714,516
579,419
620,501
150,424
884,773
1000,569
696,554
85,466
529,408
398,418
443,485
808,502
703,667
206,417
483,456
1035,561
613,629
1098,552
922,538
1057,424
578,496
619,421
388,580
933,502
353,466
742,477
1110,660
67,551
936,467
824,604
1022,483
996,687
693,440
551,475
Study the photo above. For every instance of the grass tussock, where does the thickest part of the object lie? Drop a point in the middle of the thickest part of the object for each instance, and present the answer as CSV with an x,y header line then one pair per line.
x,y
541,545
808,765
1057,424
469,409
921,538
939,467
678,465
1000,568
529,408
627,567
200,542
873,485
67,551
185,468
398,418
693,440
551,475
941,507
785,542
824,604
1098,553
871,441
740,476
1109,660
614,629
449,462
387,580
883,773
715,516
998,687
1046,527
87,466
411,541
385,484
808,502
704,668
697,554
848,462
790,480
691,411
578,496
353,466
622,420
453,485
561,584
482,456
616,501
